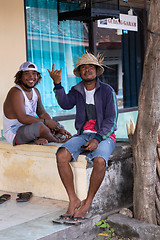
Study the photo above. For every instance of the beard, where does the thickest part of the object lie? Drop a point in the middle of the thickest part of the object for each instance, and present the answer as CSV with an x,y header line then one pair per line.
x,y
89,80
26,86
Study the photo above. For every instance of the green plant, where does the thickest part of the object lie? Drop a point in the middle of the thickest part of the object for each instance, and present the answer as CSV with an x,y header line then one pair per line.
x,y
108,229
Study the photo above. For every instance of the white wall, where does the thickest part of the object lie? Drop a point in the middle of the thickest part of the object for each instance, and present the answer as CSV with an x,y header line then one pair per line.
x,y
12,44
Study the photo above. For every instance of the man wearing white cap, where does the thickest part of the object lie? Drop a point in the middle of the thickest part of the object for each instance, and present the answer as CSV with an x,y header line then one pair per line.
x,y
22,106
96,122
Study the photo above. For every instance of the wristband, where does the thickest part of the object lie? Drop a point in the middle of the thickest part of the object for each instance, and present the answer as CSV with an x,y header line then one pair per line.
x,y
98,137
57,86
44,121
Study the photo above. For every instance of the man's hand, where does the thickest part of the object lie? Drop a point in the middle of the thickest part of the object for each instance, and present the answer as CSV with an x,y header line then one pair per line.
x,y
55,74
92,145
50,124
65,133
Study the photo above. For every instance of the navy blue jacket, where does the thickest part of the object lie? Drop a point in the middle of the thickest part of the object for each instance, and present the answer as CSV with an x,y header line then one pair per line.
x,y
105,102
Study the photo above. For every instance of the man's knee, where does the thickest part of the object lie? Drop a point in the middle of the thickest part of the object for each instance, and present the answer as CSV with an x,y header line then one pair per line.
x,y
44,129
63,156
100,163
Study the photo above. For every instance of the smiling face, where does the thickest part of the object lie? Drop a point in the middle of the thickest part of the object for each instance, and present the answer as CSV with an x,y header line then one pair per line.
x,y
88,72
29,79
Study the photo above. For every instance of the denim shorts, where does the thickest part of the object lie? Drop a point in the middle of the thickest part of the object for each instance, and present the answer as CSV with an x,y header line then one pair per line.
x,y
104,149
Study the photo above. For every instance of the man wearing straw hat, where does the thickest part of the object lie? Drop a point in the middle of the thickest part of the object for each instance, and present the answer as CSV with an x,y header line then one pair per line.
x,y
96,122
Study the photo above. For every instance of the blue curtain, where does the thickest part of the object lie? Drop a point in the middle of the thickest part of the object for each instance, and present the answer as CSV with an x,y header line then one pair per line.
x,y
132,46
49,42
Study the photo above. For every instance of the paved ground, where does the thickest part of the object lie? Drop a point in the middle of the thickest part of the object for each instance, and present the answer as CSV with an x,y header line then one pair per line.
x,y
33,221
17,218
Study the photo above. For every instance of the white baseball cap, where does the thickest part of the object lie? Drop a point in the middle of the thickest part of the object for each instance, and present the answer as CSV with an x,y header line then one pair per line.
x,y
25,67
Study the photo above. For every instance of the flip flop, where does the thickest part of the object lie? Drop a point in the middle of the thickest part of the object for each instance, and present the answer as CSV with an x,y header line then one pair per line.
x,y
75,220
62,219
79,220
4,198
24,197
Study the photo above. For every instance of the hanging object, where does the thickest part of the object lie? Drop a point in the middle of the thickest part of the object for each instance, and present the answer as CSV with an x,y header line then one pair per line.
x,y
87,10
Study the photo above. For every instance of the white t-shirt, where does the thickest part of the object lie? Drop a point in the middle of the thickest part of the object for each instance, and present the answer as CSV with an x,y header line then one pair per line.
x,y
90,111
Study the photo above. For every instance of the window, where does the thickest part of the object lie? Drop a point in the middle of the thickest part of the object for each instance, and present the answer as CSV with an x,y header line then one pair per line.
x,y
62,43
49,42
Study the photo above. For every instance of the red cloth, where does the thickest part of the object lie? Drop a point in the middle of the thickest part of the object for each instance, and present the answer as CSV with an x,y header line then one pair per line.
x,y
90,125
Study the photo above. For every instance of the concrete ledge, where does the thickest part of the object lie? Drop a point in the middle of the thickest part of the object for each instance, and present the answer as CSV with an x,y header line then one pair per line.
x,y
33,168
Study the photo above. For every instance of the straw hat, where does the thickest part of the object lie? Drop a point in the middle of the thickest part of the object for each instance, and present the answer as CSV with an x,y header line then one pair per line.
x,y
89,58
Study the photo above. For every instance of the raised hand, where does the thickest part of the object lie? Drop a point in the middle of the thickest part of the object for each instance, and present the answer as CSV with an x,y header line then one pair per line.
x,y
55,74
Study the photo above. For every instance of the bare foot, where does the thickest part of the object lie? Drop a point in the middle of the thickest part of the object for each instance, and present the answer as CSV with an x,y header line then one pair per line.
x,y
73,205
40,141
83,210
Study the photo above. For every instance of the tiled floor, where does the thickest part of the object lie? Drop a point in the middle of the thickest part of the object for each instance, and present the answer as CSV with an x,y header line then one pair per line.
x,y
30,220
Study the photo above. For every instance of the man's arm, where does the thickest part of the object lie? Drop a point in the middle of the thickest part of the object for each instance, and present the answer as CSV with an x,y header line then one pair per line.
x,y
109,123
19,112
16,99
66,101
42,114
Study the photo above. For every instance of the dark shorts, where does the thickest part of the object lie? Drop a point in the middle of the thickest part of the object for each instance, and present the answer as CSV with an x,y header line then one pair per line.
x,y
27,133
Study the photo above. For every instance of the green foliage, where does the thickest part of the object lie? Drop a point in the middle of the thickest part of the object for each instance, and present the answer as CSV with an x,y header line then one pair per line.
x,y
108,229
